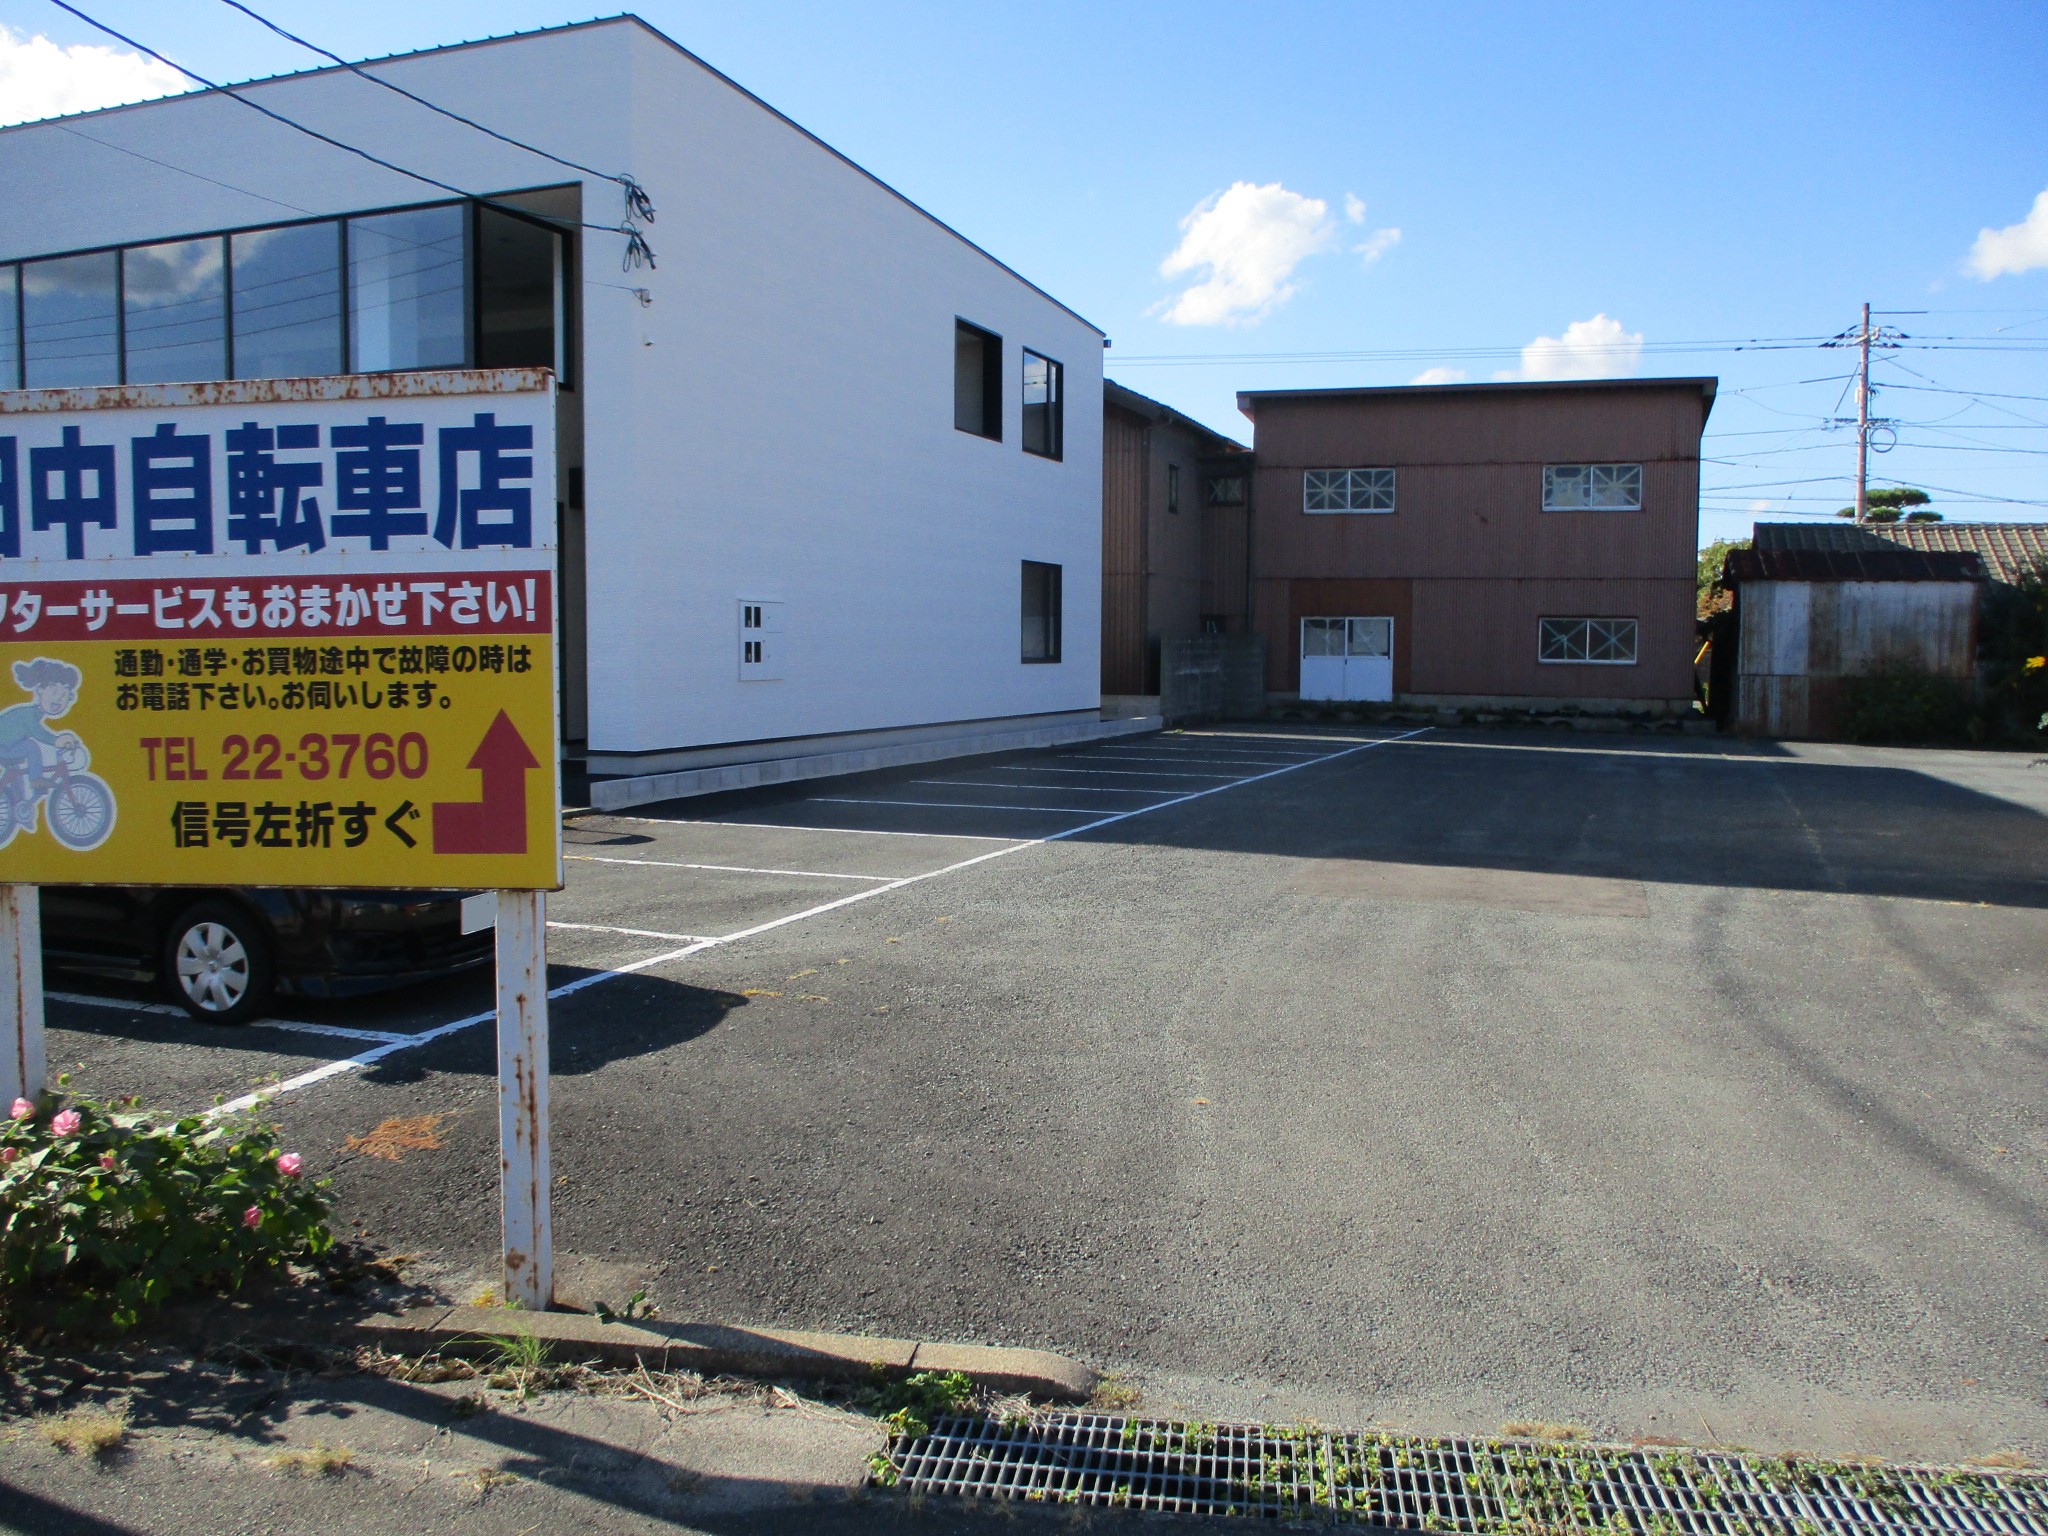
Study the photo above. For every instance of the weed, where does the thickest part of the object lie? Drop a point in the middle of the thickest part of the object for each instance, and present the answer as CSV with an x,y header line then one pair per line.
x,y
1113,1394
2012,1461
312,1461
484,1479
519,1363
89,1431
637,1307
1541,1429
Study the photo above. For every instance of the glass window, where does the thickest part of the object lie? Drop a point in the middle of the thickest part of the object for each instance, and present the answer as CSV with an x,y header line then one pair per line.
x,y
1607,642
406,295
1592,487
287,288
1347,490
1322,637
1370,637
1173,488
71,320
517,293
977,381
10,338
1044,418
1226,490
175,320
1041,637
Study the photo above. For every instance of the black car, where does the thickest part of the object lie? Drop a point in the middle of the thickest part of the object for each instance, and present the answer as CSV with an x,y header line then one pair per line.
x,y
224,953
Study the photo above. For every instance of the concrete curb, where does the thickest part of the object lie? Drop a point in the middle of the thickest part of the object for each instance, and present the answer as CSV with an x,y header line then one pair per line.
x,y
647,789
711,1349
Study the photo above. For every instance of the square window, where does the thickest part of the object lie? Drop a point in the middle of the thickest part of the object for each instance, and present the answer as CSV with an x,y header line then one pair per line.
x,y
1041,612
1044,414
1225,491
1592,487
1347,490
1598,642
977,381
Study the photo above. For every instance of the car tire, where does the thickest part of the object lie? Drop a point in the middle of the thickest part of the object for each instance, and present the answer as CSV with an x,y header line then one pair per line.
x,y
217,962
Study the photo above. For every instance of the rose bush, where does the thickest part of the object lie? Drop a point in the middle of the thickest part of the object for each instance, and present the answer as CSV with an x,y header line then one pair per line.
x,y
107,1211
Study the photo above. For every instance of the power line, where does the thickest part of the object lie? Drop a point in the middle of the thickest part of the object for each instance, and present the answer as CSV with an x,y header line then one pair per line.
x,y
637,250
637,202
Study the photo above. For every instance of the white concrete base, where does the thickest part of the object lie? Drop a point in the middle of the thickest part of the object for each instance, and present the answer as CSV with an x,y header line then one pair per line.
x,y
646,789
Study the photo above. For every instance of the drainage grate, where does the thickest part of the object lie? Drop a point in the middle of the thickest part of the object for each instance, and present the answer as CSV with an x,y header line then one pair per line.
x,y
1478,1487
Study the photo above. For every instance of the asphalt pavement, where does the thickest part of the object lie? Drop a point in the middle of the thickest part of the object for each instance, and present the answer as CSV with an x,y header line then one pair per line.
x,y
1673,1087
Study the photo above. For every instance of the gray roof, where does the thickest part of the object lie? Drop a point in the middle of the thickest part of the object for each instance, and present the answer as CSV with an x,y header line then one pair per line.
x,y
1125,398
2008,550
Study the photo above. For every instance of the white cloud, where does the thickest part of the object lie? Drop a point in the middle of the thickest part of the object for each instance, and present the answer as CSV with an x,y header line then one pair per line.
x,y
1243,245
1354,208
1763,506
1377,244
1589,349
2016,248
1439,376
40,79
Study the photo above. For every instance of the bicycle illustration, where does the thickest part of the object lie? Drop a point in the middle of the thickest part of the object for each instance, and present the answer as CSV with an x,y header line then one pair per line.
x,y
42,767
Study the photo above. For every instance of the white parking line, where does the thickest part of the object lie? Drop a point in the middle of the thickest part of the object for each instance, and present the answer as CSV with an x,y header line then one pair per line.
x,y
1065,789
371,1057
1114,773
953,805
778,826
299,1026
1183,757
631,933
730,869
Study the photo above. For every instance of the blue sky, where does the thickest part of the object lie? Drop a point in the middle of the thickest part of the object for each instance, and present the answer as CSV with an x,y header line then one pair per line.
x,y
1675,172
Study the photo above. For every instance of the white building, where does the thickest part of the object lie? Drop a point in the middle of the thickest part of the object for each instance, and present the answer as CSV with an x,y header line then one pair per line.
x,y
820,489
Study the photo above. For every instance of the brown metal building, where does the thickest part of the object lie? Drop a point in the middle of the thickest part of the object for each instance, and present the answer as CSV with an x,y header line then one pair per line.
x,y
1173,508
1506,545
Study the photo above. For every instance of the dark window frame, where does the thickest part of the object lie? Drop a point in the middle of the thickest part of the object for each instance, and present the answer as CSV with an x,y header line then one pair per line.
x,y
566,346
1173,489
1055,406
1052,579
991,380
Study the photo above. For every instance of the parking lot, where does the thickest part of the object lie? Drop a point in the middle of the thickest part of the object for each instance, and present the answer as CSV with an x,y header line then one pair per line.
x,y
1432,1077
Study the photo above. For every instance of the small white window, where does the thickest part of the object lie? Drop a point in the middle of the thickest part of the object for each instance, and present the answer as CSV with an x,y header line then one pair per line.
x,y
1600,642
1592,487
1347,490
760,641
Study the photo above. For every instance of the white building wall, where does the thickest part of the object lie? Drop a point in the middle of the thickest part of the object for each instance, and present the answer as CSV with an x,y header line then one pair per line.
x,y
776,424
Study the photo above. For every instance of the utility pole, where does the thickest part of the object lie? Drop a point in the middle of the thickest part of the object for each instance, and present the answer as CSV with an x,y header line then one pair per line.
x,y
1863,337
1863,420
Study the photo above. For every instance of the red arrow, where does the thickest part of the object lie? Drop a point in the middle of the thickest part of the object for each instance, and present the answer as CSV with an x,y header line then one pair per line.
x,y
497,822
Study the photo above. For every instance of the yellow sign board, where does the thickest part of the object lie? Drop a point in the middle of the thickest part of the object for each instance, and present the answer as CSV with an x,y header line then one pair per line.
x,y
339,715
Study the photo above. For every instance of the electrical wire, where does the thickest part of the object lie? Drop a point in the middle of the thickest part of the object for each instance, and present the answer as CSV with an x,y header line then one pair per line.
x,y
637,202
637,250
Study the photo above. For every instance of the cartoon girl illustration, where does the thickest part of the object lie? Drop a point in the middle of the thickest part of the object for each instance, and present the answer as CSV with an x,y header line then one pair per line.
x,y
39,765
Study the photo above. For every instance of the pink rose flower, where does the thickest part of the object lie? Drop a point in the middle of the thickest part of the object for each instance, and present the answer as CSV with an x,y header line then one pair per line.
x,y
252,1218
23,1110
65,1122
107,1160
9,1154
288,1164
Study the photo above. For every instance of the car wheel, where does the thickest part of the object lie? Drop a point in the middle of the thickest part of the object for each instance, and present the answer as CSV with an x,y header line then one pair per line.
x,y
217,962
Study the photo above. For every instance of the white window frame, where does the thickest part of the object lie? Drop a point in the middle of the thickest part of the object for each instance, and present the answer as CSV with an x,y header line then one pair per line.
x,y
1608,631
1347,490
1592,487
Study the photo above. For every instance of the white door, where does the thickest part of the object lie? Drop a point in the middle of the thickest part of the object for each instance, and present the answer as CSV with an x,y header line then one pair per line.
x,y
1369,660
1322,658
1348,660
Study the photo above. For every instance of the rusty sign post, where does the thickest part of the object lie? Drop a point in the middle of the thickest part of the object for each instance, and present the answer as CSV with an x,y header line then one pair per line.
x,y
289,632
524,1176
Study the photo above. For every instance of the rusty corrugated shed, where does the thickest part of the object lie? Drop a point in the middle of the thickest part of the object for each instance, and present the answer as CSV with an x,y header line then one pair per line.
x,y
1851,565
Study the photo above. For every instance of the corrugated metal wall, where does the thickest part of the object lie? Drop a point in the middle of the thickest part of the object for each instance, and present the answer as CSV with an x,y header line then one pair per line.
x,y
1125,465
1800,639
